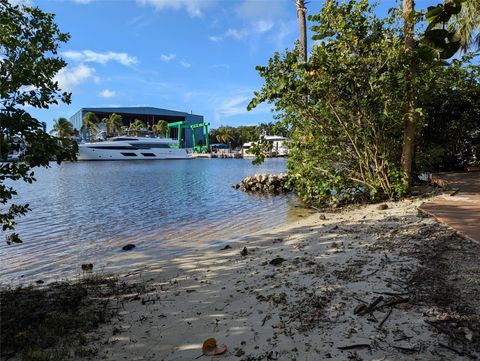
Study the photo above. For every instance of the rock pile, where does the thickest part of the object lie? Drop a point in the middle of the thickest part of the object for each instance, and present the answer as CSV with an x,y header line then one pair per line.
x,y
264,183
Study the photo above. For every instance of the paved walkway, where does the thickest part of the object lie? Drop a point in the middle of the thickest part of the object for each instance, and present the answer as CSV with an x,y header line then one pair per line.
x,y
459,207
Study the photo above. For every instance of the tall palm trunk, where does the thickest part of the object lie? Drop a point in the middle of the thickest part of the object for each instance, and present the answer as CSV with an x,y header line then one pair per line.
x,y
301,11
410,115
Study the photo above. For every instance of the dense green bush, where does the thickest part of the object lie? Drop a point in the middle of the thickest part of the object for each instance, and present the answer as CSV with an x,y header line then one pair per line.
x,y
346,106
450,139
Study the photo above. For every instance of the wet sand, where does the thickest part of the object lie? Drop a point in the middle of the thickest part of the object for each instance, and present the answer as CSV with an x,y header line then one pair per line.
x,y
362,284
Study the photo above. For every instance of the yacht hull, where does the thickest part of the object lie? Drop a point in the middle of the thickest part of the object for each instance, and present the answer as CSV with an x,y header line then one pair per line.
x,y
123,150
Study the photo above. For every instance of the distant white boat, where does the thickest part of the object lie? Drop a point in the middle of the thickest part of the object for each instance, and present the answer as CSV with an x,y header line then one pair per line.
x,y
132,148
279,146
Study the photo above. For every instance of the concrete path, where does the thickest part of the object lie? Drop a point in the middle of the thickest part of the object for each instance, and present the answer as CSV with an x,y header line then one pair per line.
x,y
459,207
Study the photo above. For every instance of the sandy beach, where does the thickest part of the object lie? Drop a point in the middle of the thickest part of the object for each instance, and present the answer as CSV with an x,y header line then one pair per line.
x,y
367,283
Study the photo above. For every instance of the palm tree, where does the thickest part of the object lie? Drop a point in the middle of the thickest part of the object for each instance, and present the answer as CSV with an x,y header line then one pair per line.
x,y
113,124
410,115
63,127
160,128
468,22
301,11
137,126
225,135
90,124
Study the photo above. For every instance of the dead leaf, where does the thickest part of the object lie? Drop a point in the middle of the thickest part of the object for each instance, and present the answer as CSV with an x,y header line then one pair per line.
x,y
403,306
210,348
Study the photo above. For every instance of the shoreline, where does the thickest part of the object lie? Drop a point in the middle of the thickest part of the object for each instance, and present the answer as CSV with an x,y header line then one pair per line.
x,y
301,309
308,304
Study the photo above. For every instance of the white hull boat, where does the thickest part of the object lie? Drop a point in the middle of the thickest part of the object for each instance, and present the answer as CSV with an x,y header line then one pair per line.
x,y
132,148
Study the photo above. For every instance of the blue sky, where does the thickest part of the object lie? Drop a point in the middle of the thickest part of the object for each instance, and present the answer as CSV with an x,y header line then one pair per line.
x,y
186,55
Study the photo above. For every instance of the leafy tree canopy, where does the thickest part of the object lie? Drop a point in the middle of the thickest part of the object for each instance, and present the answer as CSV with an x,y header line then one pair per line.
x,y
345,107
29,41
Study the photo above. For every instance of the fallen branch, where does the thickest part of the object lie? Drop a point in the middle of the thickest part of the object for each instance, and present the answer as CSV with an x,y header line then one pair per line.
x,y
392,293
459,353
385,318
406,349
354,347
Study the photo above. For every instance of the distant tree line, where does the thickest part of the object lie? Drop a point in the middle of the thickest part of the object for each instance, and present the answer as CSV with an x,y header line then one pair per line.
x,y
237,136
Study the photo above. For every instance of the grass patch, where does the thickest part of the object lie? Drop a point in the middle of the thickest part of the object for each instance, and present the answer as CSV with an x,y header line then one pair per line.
x,y
57,321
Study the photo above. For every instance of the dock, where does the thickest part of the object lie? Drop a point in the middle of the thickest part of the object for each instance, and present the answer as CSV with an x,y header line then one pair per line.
x,y
217,155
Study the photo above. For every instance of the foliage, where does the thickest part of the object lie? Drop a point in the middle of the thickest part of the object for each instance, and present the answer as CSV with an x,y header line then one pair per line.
x,y
29,40
90,124
250,133
344,106
451,104
468,23
51,322
113,125
161,128
452,26
225,135
63,127
137,125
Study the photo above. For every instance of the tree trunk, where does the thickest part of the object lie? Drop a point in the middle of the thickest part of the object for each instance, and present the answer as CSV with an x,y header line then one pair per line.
x,y
410,114
301,11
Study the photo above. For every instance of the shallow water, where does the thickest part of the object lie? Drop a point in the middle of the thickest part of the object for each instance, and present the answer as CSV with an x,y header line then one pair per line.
x,y
85,212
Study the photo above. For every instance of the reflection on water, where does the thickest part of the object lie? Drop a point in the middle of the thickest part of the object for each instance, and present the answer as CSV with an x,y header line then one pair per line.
x,y
85,212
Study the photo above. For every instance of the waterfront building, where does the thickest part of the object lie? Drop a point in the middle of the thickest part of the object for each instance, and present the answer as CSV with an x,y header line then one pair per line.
x,y
149,115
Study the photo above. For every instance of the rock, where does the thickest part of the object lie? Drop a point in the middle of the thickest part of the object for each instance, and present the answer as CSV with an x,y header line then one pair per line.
x,y
382,207
322,217
244,251
128,247
39,282
87,267
235,186
279,298
226,247
264,183
277,261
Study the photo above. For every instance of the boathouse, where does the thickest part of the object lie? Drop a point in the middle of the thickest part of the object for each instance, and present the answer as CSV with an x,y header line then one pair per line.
x,y
149,115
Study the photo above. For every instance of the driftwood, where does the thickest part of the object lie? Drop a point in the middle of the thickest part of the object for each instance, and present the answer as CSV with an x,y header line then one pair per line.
x,y
364,309
385,318
460,353
354,347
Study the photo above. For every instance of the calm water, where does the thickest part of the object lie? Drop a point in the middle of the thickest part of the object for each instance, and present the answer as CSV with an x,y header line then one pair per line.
x,y
86,211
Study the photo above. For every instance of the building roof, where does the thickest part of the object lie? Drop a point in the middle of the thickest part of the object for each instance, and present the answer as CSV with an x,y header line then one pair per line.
x,y
138,110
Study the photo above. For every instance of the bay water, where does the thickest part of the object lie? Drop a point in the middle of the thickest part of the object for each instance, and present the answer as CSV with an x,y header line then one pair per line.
x,y
85,212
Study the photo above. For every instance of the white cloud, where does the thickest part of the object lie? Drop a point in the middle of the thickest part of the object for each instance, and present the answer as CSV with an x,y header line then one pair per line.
x,y
167,57
263,26
230,33
285,34
90,56
193,7
236,104
185,64
106,93
233,106
68,77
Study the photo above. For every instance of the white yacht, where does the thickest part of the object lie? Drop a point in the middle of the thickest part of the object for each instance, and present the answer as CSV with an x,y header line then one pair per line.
x,y
132,148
